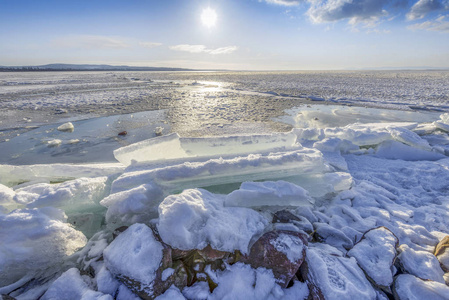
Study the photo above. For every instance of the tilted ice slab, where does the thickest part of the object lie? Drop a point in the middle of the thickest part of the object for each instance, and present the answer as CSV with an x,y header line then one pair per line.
x,y
14,175
223,171
171,147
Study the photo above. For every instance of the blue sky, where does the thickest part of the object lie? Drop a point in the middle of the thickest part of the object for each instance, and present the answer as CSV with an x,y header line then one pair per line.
x,y
248,34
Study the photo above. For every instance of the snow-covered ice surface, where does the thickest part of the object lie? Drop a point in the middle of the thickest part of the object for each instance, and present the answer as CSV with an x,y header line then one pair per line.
x,y
95,204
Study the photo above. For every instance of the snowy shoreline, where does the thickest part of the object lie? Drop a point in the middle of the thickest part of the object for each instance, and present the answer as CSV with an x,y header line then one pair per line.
x,y
339,212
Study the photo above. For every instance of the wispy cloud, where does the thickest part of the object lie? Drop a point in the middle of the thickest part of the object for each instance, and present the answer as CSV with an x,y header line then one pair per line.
x,y
91,42
203,49
284,2
439,24
423,7
150,44
355,11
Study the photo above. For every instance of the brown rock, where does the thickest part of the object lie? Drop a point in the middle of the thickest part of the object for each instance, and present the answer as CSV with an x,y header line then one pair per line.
x,y
442,253
281,251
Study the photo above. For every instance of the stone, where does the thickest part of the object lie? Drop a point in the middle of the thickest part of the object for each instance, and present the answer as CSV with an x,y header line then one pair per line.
x,y
409,287
281,251
329,275
442,253
421,264
375,254
325,233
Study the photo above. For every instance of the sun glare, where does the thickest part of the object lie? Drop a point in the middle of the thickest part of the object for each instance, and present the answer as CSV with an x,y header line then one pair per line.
x,y
209,17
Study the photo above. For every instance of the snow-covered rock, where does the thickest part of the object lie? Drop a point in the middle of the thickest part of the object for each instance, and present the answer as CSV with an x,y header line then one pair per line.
x,y
196,218
332,276
375,254
422,264
135,254
280,251
442,253
409,287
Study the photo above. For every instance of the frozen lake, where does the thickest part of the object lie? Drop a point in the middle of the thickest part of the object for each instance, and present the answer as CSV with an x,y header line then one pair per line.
x,y
117,184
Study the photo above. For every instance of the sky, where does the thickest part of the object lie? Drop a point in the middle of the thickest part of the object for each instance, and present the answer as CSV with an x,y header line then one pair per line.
x,y
247,34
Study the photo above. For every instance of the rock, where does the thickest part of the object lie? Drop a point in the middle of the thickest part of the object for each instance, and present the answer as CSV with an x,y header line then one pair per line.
x,y
332,236
281,251
123,133
330,276
284,216
138,259
158,131
409,287
422,264
442,253
66,127
375,254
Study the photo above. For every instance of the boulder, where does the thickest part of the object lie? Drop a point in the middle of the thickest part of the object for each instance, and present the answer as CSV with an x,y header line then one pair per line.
x,y
375,254
281,251
329,275
284,216
137,258
409,287
422,264
442,253
327,234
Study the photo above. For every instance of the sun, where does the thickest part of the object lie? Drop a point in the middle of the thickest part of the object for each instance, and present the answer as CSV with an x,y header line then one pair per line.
x,y
209,17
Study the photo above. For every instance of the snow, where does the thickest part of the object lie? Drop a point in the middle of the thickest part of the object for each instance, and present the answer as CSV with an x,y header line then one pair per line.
x,y
197,218
240,281
72,286
135,254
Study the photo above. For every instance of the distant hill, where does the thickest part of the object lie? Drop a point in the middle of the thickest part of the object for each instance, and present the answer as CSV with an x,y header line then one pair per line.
x,y
86,67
